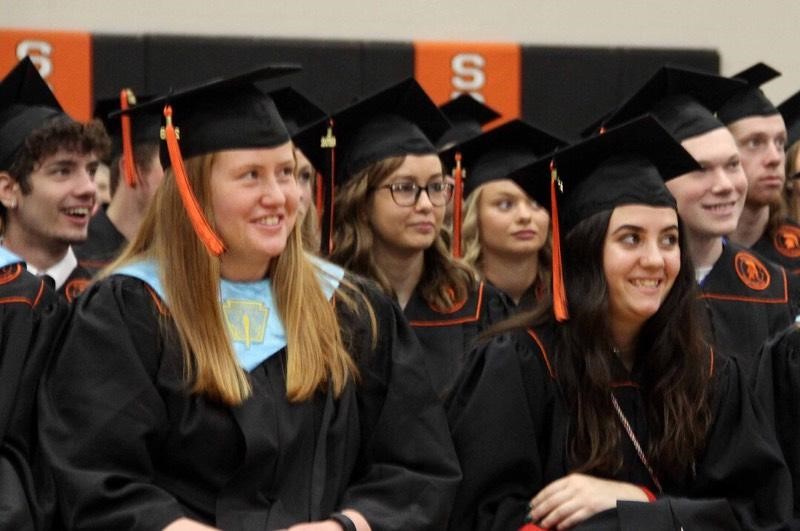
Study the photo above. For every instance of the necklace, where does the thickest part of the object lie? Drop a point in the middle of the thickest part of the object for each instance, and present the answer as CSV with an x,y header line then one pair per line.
x,y
632,436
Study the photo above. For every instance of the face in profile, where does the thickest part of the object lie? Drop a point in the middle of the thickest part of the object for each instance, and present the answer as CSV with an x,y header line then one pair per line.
x,y
255,199
102,183
406,210
511,223
641,259
761,141
59,204
305,180
710,200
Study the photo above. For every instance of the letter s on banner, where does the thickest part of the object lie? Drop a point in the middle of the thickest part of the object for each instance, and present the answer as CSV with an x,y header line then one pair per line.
x,y
39,51
468,72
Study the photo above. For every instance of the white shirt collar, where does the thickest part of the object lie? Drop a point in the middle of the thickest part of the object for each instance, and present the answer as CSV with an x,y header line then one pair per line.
x,y
59,271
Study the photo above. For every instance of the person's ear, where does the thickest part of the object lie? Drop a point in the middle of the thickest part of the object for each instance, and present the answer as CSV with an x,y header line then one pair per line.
x,y
9,190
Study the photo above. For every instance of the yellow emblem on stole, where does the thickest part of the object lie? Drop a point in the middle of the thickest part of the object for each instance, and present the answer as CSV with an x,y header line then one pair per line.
x,y
246,320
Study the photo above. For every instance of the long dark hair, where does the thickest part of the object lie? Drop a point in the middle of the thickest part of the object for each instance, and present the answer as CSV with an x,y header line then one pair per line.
x,y
673,357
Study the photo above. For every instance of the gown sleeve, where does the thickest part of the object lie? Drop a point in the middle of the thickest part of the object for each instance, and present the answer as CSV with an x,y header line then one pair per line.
x,y
102,416
30,316
407,471
741,480
497,417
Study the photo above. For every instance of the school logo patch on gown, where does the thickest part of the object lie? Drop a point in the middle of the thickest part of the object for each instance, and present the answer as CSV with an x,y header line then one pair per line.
x,y
10,272
75,288
246,320
751,271
787,241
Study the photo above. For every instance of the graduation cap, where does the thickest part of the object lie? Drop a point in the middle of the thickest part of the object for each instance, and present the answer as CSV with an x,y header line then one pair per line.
x,y
125,132
305,122
297,111
491,156
790,110
750,101
626,165
397,121
26,104
466,115
682,100
229,113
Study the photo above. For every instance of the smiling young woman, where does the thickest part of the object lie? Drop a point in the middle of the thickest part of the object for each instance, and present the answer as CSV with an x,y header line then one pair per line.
x,y
217,375
610,408
389,212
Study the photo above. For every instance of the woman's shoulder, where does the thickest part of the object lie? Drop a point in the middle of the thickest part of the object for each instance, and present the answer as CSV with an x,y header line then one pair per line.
x,y
124,292
527,349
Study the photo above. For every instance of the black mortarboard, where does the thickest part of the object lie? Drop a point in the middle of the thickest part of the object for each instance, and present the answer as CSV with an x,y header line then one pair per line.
x,y
625,165
26,104
297,111
305,121
790,110
399,120
750,101
396,121
496,153
125,132
229,113
466,115
145,128
682,100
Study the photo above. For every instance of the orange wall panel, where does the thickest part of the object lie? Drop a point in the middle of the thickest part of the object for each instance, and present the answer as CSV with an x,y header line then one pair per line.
x,y
64,59
489,71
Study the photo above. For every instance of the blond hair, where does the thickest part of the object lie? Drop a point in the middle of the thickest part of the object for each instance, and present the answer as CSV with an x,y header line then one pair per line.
x,y
316,356
791,188
444,283
473,248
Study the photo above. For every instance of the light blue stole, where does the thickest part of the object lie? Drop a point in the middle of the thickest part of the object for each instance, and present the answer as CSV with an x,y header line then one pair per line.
x,y
249,309
7,257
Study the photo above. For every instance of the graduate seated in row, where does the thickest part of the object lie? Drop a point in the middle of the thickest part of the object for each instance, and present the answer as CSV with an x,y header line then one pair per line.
x,y
606,409
504,233
217,375
388,213
304,119
30,316
47,167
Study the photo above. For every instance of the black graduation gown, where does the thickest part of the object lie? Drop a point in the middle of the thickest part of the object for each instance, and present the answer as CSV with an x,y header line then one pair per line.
x,y
535,293
30,315
102,246
783,248
510,428
447,337
748,300
131,449
778,388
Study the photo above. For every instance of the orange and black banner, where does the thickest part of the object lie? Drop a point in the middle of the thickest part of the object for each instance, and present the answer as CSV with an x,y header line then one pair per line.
x,y
64,60
492,73
560,89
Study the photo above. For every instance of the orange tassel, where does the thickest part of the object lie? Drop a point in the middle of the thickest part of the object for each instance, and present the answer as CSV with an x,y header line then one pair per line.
x,y
458,192
560,303
201,226
127,98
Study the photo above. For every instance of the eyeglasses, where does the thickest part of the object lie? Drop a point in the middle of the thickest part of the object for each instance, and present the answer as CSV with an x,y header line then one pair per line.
x,y
407,193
